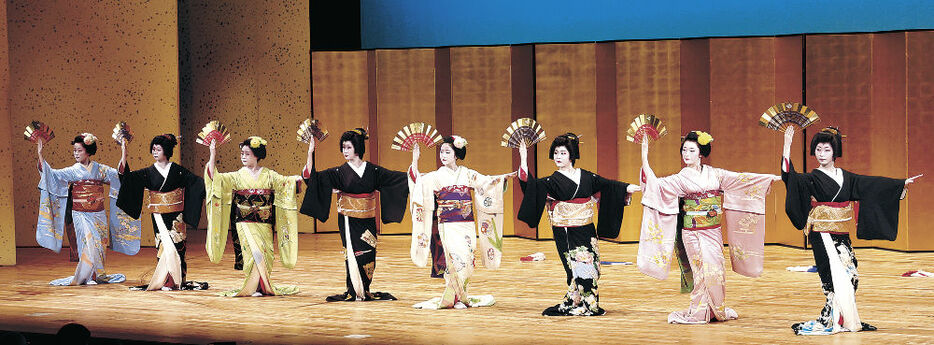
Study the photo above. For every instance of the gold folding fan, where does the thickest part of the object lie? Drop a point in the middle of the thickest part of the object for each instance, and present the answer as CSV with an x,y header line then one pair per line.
x,y
311,129
213,131
122,132
413,133
780,116
522,130
645,125
36,131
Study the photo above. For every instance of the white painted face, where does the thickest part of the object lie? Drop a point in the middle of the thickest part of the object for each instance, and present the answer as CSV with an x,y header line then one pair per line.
x,y
562,157
158,154
446,154
247,157
81,155
348,151
824,153
690,153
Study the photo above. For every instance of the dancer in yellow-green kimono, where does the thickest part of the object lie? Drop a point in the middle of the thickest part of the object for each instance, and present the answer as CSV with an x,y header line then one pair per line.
x,y
262,199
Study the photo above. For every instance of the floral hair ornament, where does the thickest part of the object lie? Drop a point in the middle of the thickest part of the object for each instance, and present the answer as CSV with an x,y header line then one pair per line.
x,y
703,138
88,138
255,142
459,142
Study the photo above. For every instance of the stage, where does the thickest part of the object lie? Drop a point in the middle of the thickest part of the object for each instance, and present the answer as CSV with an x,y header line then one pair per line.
x,y
637,306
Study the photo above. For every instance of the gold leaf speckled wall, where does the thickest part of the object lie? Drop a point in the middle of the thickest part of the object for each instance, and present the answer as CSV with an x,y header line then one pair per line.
x,y
247,64
83,66
7,220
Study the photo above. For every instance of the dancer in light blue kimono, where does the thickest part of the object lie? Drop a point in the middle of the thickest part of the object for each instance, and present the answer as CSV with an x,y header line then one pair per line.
x,y
87,182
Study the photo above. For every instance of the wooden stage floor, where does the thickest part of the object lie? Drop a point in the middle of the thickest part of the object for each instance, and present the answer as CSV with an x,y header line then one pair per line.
x,y
637,306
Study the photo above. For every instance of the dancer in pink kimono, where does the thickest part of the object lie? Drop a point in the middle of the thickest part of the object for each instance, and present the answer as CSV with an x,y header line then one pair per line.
x,y
707,196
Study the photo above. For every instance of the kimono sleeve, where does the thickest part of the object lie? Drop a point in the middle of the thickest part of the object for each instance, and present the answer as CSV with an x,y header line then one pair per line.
x,y
317,200
393,193
219,196
130,197
744,214
488,191
125,231
658,231
194,197
53,203
286,217
797,196
878,206
422,198
613,199
534,194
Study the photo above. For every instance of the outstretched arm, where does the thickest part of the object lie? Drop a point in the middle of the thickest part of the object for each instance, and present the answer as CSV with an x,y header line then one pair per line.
x,y
121,167
39,151
646,169
210,164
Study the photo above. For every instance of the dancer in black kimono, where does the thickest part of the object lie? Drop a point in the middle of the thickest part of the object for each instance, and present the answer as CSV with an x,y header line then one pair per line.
x,y
570,194
175,199
357,182
823,204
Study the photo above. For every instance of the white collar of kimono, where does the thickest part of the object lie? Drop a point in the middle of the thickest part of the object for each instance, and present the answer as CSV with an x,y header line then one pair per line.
x,y
87,168
836,177
164,172
574,175
359,170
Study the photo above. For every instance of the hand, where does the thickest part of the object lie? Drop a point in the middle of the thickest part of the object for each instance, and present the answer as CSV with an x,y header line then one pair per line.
x,y
633,188
789,134
39,146
416,153
512,174
912,179
123,146
213,147
311,146
776,177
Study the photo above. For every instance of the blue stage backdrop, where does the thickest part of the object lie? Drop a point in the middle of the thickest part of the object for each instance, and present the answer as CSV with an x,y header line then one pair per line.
x,y
424,23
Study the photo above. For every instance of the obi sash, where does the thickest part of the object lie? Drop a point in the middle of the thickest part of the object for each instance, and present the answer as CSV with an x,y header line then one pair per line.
x,y
254,206
571,213
357,205
831,217
88,196
703,210
455,204
167,202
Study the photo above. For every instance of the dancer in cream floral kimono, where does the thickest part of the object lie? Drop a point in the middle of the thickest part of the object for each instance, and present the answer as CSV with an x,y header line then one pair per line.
x,y
709,196
261,199
459,199
87,186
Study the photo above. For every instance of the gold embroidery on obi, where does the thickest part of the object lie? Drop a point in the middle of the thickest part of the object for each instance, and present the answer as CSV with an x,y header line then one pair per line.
x,y
167,202
88,196
565,214
357,207
825,218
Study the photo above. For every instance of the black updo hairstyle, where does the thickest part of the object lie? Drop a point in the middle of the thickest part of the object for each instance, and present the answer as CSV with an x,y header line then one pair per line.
x,y
832,136
166,141
571,142
692,136
458,153
259,152
90,149
357,137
